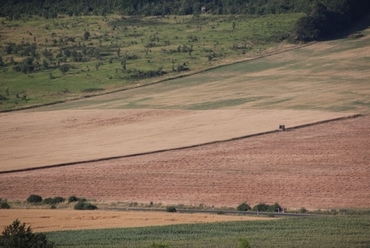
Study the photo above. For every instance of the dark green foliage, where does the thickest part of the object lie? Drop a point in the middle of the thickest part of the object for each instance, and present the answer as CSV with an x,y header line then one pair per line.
x,y
329,18
243,207
54,200
262,207
86,35
171,209
34,199
13,10
72,198
82,205
3,98
4,205
64,68
17,235
139,74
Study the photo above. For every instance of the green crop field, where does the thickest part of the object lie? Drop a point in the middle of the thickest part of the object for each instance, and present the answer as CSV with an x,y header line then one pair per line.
x,y
324,231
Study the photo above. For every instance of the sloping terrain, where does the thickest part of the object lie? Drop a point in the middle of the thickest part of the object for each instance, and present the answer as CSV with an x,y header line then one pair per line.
x,y
319,166
39,139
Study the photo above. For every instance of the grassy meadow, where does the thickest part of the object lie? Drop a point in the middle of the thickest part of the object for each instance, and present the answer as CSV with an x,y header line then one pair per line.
x,y
326,76
104,54
324,231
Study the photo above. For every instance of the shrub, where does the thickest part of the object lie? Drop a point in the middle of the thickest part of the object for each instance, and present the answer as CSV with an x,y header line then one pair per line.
x,y
49,200
303,210
262,207
4,205
54,200
59,199
220,212
243,207
171,209
84,206
72,198
17,235
34,198
275,208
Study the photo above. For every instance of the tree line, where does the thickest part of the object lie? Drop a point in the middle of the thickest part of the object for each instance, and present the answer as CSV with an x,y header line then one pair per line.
x,y
324,17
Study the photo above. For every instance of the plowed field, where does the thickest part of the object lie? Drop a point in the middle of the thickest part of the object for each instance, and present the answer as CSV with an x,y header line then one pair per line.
x,y
318,167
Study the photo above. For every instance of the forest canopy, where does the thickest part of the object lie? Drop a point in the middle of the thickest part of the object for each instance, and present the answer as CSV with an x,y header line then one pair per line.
x,y
323,19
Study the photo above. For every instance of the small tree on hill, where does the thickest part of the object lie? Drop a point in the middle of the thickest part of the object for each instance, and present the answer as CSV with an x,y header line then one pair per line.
x,y
34,198
17,235
243,207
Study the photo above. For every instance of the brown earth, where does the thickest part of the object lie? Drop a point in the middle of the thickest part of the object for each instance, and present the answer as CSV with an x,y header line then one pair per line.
x,y
318,167
44,220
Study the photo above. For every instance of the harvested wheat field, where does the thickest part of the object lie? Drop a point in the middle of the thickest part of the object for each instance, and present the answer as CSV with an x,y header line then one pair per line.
x,y
46,220
317,167
36,139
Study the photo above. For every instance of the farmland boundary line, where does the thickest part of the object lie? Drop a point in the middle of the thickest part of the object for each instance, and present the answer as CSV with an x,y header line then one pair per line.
x,y
226,212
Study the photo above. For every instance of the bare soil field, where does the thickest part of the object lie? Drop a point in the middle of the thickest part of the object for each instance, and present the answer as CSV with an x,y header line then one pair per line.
x,y
35,139
317,167
45,220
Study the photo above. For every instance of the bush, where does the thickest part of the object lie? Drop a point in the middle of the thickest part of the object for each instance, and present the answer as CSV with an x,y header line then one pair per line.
x,y
262,207
17,235
34,198
54,200
84,206
59,199
171,209
72,198
4,205
303,210
243,207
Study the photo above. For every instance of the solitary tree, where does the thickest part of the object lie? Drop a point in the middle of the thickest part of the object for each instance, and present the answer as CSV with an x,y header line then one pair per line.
x,y
17,235
86,35
64,68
